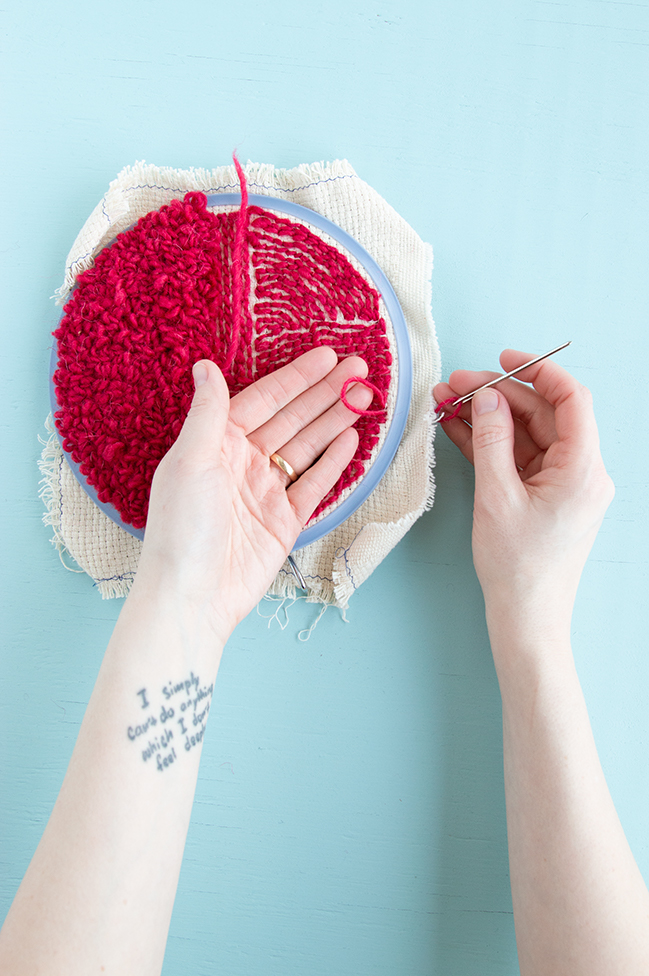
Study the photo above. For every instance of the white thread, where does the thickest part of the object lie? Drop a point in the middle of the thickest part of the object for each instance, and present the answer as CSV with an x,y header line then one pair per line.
x,y
325,607
280,608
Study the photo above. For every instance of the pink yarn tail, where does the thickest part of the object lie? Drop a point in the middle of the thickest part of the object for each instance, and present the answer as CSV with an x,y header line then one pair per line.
x,y
375,390
444,404
239,258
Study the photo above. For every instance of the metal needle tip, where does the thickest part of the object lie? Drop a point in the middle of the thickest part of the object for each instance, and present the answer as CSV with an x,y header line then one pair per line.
x,y
296,572
469,396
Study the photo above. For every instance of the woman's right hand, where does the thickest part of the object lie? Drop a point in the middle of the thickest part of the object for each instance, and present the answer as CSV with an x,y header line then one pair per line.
x,y
541,487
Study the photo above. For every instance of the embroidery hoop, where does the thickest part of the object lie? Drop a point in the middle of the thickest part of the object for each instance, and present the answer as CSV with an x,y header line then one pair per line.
x,y
404,378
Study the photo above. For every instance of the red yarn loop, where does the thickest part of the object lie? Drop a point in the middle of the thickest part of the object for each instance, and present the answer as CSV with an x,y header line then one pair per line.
x,y
370,386
195,199
442,405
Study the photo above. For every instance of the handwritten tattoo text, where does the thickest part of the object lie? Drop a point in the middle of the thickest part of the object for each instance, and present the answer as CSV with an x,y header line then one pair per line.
x,y
175,719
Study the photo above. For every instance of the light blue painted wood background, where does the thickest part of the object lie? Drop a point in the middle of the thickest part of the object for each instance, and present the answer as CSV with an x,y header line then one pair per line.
x,y
350,815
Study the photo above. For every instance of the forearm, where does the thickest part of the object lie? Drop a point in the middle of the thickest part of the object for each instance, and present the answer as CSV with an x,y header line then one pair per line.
x,y
100,889
580,904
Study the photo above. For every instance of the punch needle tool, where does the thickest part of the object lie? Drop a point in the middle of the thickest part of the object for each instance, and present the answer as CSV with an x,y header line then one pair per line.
x,y
455,404
296,572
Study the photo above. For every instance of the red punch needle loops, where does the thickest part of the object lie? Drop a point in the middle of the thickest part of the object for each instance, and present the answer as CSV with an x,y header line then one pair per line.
x,y
240,253
165,294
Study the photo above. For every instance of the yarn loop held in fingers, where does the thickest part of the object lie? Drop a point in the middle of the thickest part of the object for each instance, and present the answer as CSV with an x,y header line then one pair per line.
x,y
443,404
379,394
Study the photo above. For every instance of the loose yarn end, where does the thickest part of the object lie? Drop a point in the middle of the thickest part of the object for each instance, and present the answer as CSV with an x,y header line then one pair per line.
x,y
238,259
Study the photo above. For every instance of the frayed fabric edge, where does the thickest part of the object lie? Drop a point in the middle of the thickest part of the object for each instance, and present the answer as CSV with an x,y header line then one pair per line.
x,y
430,416
115,206
284,586
263,176
281,607
114,588
49,465
49,491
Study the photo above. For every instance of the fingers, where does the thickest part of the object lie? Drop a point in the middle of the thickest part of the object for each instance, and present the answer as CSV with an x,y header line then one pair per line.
x,y
557,409
312,420
313,485
528,406
493,446
457,430
527,453
204,426
302,450
572,403
255,405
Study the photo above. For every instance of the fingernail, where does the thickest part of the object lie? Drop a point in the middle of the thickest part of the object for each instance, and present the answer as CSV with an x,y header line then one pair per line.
x,y
485,402
200,374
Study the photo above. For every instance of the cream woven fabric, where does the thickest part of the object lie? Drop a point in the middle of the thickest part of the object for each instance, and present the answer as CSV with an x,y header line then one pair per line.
x,y
336,565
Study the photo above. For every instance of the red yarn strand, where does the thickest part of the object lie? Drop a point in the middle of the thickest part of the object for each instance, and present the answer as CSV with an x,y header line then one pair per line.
x,y
239,255
379,394
442,406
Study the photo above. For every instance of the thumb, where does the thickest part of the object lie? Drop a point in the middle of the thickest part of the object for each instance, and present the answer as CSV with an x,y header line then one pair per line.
x,y
204,426
493,443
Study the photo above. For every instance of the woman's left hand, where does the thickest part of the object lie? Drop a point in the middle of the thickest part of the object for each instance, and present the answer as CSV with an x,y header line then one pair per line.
x,y
222,515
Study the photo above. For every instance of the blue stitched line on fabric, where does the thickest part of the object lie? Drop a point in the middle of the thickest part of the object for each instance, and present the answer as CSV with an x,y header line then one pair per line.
x,y
235,186
109,579
288,572
344,552
60,492
215,189
83,256
349,572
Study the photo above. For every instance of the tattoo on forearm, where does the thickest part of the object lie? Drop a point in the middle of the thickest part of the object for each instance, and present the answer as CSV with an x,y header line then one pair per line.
x,y
174,722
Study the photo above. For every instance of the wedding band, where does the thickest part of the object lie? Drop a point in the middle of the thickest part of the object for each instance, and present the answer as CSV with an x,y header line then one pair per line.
x,y
285,466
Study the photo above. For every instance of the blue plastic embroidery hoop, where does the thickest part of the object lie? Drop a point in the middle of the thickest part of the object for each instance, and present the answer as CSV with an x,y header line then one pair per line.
x,y
393,436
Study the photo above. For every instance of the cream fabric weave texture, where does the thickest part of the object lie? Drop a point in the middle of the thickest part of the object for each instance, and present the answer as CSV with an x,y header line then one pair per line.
x,y
335,566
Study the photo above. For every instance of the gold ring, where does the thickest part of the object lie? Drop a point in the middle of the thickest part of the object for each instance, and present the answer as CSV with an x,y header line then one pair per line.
x,y
285,466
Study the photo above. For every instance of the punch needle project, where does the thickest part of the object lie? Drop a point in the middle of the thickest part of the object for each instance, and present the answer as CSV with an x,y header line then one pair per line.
x,y
250,269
